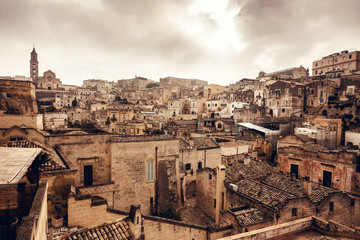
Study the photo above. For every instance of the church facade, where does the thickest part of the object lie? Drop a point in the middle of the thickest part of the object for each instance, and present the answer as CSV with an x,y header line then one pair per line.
x,y
48,80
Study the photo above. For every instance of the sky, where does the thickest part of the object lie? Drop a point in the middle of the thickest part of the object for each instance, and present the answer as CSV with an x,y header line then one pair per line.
x,y
220,41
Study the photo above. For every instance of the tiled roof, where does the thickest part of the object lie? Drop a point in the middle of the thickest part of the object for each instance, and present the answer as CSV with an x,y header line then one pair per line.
x,y
204,143
269,196
314,148
303,137
258,181
319,192
143,138
251,216
285,183
256,170
54,164
118,230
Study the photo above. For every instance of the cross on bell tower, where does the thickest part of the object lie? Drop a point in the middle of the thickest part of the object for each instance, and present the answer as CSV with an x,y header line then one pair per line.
x,y
34,66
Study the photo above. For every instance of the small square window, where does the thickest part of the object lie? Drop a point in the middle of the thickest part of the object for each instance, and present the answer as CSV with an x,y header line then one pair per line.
x,y
188,166
294,212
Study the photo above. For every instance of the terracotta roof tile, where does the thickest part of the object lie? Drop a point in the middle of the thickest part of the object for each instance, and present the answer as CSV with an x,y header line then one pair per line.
x,y
118,230
251,216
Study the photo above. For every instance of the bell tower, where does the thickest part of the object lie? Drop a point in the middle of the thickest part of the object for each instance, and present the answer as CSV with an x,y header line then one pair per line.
x,y
34,66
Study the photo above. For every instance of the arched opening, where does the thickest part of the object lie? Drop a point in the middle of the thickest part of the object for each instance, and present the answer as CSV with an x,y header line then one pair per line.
x,y
212,115
271,113
190,190
49,88
219,126
324,112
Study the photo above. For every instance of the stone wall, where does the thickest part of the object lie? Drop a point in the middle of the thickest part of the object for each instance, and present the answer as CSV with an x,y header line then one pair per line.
x,y
159,228
313,163
130,161
34,226
274,231
82,212
106,191
17,97
206,190
30,120
94,153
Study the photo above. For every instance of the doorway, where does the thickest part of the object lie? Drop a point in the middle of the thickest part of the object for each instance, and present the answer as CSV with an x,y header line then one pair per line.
x,y
294,169
88,175
327,178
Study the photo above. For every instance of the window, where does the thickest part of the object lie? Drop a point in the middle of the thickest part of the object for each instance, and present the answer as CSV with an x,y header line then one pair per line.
x,y
315,71
283,110
294,169
119,130
210,177
151,201
199,165
311,102
316,66
294,212
214,203
277,92
123,130
331,206
188,166
335,59
312,91
286,102
149,171
350,56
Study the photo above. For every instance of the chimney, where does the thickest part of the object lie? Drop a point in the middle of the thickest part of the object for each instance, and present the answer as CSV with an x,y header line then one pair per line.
x,y
135,221
307,187
246,160
220,192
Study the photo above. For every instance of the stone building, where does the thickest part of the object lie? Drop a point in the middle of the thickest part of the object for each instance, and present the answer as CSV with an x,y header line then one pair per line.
x,y
284,99
346,62
297,73
332,168
173,81
195,154
282,198
48,81
137,83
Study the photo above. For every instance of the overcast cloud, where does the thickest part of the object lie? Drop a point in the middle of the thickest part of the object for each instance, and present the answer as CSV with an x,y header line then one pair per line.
x,y
215,40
